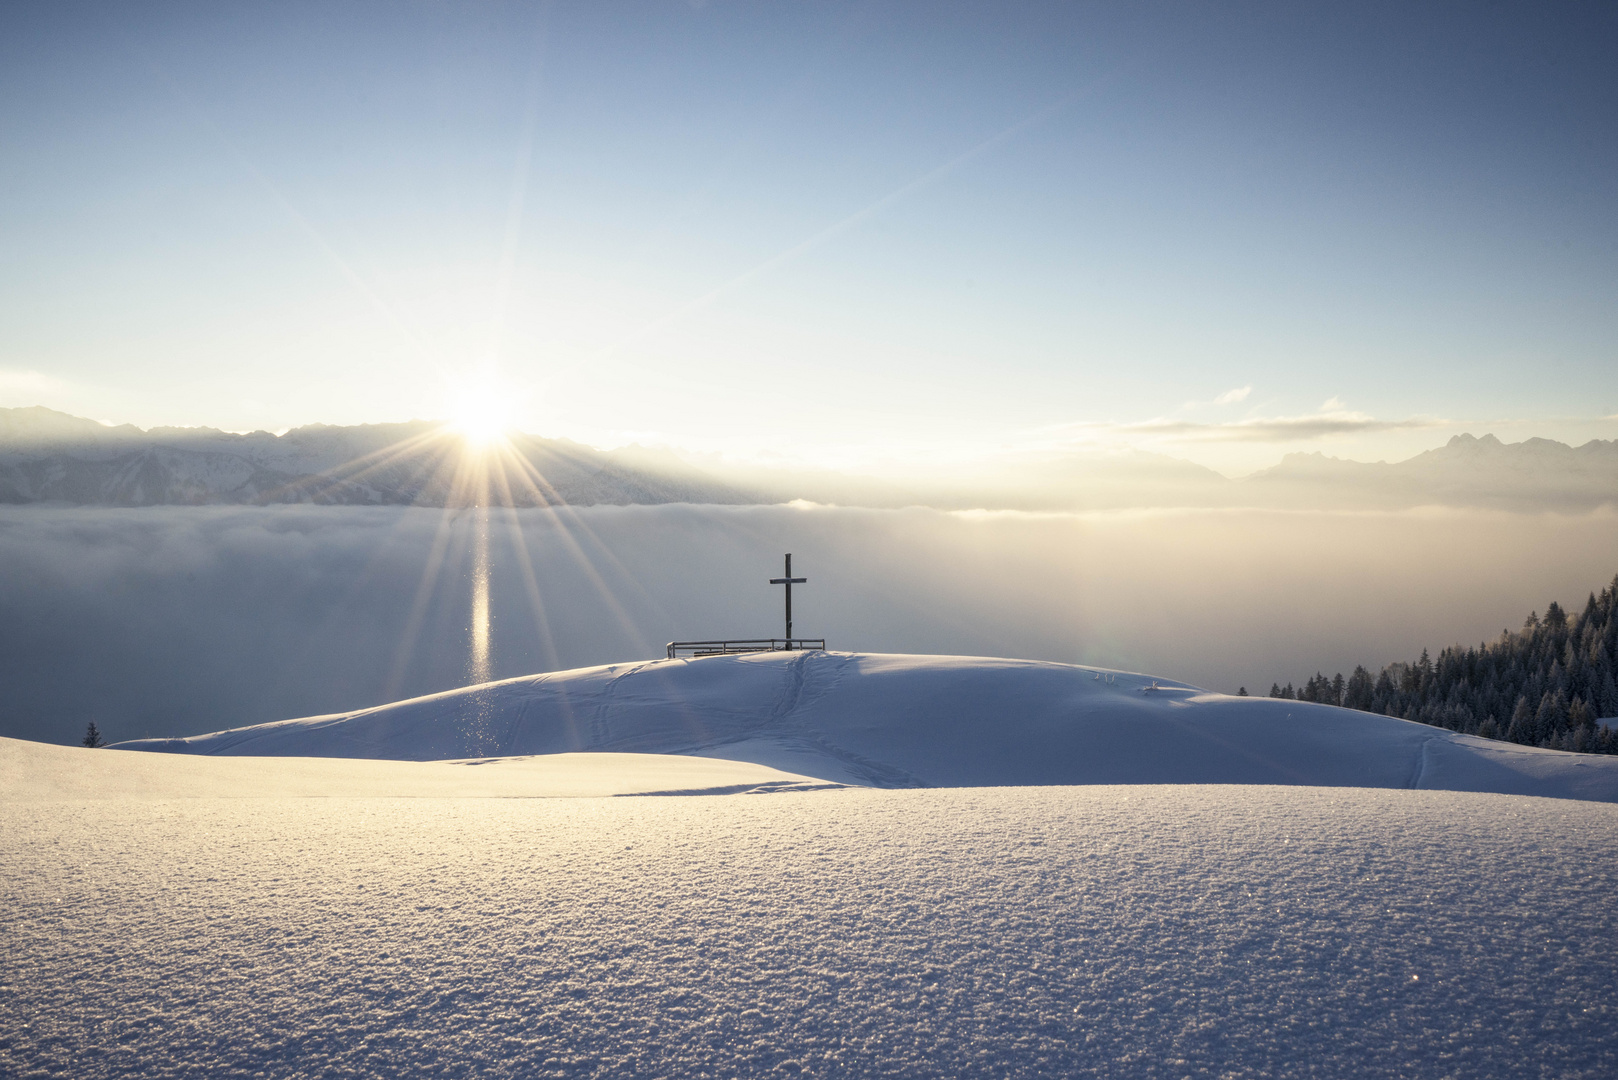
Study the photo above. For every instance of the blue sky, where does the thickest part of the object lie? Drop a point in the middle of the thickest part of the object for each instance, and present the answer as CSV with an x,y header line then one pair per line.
x,y
838,233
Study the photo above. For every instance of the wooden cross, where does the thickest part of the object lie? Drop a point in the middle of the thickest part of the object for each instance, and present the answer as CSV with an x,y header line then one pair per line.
x,y
789,581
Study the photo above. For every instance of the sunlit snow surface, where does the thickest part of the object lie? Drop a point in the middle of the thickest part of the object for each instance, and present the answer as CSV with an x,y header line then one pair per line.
x,y
40,772
925,721
236,910
1107,931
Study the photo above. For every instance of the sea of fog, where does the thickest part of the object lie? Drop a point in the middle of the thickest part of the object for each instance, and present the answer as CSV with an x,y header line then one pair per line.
x,y
176,620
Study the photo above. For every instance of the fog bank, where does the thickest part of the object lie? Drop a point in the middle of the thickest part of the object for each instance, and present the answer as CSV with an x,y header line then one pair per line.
x,y
175,621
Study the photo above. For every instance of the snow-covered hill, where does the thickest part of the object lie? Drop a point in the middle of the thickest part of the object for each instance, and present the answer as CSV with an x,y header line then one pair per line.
x,y
924,721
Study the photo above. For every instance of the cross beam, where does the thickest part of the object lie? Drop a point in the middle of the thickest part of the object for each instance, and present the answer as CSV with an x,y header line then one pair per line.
x,y
789,581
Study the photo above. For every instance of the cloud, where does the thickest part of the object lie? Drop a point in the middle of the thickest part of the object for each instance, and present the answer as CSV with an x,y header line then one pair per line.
x,y
1230,397
1278,429
1284,428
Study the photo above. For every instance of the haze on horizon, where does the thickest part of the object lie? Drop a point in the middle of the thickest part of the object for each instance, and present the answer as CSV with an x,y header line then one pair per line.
x,y
833,235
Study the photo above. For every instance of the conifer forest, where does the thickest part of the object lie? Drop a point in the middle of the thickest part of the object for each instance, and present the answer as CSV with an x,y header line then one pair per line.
x,y
1548,684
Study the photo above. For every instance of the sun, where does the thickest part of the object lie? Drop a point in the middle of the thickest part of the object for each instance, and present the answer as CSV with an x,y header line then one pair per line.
x,y
482,414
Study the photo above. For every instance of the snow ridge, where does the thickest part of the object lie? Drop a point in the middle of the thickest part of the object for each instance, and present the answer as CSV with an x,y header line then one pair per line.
x,y
924,721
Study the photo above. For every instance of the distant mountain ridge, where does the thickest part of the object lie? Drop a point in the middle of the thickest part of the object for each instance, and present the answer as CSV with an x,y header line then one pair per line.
x,y
47,456
1468,470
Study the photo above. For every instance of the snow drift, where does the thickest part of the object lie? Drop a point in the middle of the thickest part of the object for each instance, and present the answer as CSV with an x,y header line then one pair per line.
x,y
924,721
32,772
1142,932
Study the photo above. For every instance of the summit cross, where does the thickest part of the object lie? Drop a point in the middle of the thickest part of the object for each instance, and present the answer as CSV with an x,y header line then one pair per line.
x,y
789,581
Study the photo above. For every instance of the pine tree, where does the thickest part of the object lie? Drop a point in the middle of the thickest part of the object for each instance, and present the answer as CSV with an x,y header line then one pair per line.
x,y
1357,691
1578,715
1521,728
92,737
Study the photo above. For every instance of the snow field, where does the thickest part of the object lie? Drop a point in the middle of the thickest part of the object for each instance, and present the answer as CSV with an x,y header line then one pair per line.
x,y
40,772
924,721
1141,931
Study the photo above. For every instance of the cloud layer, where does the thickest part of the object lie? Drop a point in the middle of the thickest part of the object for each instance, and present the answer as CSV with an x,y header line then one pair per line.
x,y
172,621
1276,429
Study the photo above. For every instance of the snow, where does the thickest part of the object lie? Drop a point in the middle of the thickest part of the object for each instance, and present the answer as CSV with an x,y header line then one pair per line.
x,y
1146,931
935,721
267,905
40,772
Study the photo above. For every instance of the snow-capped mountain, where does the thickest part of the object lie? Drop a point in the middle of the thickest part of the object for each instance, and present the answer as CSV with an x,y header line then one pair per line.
x,y
924,721
1467,471
47,456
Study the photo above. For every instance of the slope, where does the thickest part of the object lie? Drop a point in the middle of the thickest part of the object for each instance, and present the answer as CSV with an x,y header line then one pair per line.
x,y
32,772
1143,932
924,721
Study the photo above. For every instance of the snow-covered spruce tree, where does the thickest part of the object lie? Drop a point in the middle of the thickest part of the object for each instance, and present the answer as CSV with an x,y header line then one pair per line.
x,y
1548,684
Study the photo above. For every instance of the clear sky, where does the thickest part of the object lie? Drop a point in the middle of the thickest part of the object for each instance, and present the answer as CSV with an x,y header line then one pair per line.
x,y
838,233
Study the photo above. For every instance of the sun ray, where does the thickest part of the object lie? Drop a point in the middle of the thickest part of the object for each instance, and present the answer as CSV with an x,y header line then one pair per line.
x,y
524,560
566,519
561,514
359,468
418,608
470,467
433,455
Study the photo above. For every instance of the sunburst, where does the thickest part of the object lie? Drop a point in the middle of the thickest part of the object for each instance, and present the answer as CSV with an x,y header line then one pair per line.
x,y
481,473
482,414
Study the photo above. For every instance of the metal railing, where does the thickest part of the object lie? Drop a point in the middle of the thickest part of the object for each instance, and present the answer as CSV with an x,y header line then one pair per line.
x,y
725,648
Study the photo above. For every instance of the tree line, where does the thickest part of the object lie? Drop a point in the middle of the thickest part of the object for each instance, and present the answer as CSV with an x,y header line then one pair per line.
x,y
1544,685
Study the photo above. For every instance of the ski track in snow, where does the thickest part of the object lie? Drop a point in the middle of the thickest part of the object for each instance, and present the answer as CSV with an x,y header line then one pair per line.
x,y
1191,931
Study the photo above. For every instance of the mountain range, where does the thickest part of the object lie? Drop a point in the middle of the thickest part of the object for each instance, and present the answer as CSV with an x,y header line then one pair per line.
x,y
1468,471
48,456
